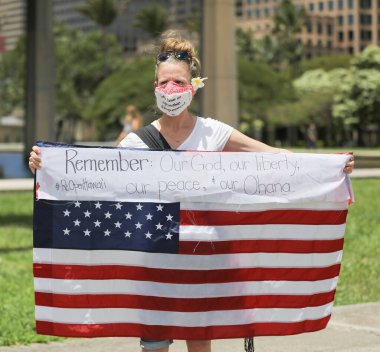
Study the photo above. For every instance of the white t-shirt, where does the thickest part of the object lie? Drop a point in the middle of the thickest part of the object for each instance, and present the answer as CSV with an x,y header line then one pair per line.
x,y
207,134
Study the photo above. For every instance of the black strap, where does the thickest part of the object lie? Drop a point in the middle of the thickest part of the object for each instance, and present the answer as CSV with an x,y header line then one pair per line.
x,y
152,137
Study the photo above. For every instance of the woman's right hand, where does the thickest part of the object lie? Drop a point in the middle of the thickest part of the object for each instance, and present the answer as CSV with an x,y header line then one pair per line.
x,y
35,159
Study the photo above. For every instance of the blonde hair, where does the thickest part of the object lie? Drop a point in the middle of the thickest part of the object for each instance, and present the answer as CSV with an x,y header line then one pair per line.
x,y
132,113
172,41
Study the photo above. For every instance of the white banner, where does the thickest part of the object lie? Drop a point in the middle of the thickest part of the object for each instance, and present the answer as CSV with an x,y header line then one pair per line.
x,y
82,173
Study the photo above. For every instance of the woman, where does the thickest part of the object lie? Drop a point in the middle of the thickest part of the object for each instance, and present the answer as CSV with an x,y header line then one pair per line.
x,y
132,122
177,67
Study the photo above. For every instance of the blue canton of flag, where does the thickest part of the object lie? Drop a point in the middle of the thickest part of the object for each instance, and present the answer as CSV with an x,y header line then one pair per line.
x,y
148,227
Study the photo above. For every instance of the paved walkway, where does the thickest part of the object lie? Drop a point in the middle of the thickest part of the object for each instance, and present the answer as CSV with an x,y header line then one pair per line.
x,y
352,328
26,184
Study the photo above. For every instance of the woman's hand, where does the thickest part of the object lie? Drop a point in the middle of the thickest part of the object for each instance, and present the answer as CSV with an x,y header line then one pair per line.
x,y
349,166
35,159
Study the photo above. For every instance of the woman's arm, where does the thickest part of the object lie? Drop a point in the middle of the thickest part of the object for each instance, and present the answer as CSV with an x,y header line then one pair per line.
x,y
239,142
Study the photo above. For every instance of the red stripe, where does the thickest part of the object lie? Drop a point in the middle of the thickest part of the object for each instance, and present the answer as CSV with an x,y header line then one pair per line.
x,y
259,246
177,332
182,304
283,216
114,272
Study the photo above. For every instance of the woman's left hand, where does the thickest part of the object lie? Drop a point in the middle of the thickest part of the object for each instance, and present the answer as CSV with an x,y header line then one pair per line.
x,y
349,166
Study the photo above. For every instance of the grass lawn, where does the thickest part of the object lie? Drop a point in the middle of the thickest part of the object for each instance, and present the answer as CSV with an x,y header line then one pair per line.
x,y
359,280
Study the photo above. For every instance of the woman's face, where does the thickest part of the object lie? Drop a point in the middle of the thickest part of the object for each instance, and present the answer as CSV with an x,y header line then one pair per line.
x,y
177,72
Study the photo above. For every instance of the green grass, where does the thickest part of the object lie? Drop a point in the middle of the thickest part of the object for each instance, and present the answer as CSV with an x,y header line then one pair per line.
x,y
16,273
359,280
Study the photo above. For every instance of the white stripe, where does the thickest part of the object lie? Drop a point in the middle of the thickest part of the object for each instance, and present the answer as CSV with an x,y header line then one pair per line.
x,y
148,288
262,207
261,232
185,262
190,319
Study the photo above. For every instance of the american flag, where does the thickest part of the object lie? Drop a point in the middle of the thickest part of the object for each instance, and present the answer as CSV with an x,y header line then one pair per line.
x,y
185,270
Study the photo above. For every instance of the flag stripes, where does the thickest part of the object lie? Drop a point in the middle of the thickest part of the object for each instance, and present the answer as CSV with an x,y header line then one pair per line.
x,y
180,332
186,319
174,276
182,305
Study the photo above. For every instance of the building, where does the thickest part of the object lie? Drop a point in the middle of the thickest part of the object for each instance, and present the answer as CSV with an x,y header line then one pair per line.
x,y
12,23
345,26
13,20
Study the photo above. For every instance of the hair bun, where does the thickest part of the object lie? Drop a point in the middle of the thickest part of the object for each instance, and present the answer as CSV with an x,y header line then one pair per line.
x,y
172,41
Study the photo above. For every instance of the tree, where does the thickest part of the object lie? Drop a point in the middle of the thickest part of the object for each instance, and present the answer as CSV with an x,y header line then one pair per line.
x,y
131,85
289,21
103,13
259,88
12,79
152,19
78,73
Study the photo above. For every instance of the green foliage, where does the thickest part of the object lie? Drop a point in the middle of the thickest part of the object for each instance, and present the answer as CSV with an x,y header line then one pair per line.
x,y
288,21
102,12
152,19
131,85
260,87
281,48
318,80
79,70
310,107
359,100
326,63
354,92
368,59
12,81
79,67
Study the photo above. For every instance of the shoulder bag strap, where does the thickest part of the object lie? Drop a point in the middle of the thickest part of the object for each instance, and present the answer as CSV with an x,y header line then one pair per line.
x,y
152,137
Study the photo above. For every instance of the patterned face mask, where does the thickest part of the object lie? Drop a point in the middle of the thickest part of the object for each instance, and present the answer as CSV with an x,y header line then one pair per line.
x,y
173,98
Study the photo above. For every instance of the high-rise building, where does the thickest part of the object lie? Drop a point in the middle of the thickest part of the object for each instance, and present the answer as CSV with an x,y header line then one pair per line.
x,y
333,25
12,23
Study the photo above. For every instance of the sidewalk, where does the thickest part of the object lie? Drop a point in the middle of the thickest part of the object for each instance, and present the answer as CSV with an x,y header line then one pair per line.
x,y
352,328
26,184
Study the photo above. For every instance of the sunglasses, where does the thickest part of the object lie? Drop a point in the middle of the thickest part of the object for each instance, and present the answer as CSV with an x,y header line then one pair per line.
x,y
179,55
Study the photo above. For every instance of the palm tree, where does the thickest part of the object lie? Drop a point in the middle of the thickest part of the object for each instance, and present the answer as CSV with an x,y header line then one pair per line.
x,y
290,20
152,19
103,13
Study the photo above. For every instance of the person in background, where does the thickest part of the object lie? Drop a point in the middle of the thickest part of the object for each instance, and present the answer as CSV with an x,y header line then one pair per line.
x,y
132,122
176,82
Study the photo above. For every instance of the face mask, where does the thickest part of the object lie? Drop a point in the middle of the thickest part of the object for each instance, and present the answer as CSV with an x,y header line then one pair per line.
x,y
173,98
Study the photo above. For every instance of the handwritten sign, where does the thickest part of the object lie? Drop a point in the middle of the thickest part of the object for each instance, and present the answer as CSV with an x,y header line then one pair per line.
x,y
73,172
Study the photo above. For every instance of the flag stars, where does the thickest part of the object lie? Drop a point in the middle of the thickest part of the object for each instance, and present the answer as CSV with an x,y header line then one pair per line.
x,y
169,217
128,216
169,236
77,222
77,204
159,207
66,231
108,215
138,225
97,223
148,235
118,206
98,205
66,212
159,226
149,216
139,206
127,234
87,233
87,214
118,224
107,233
